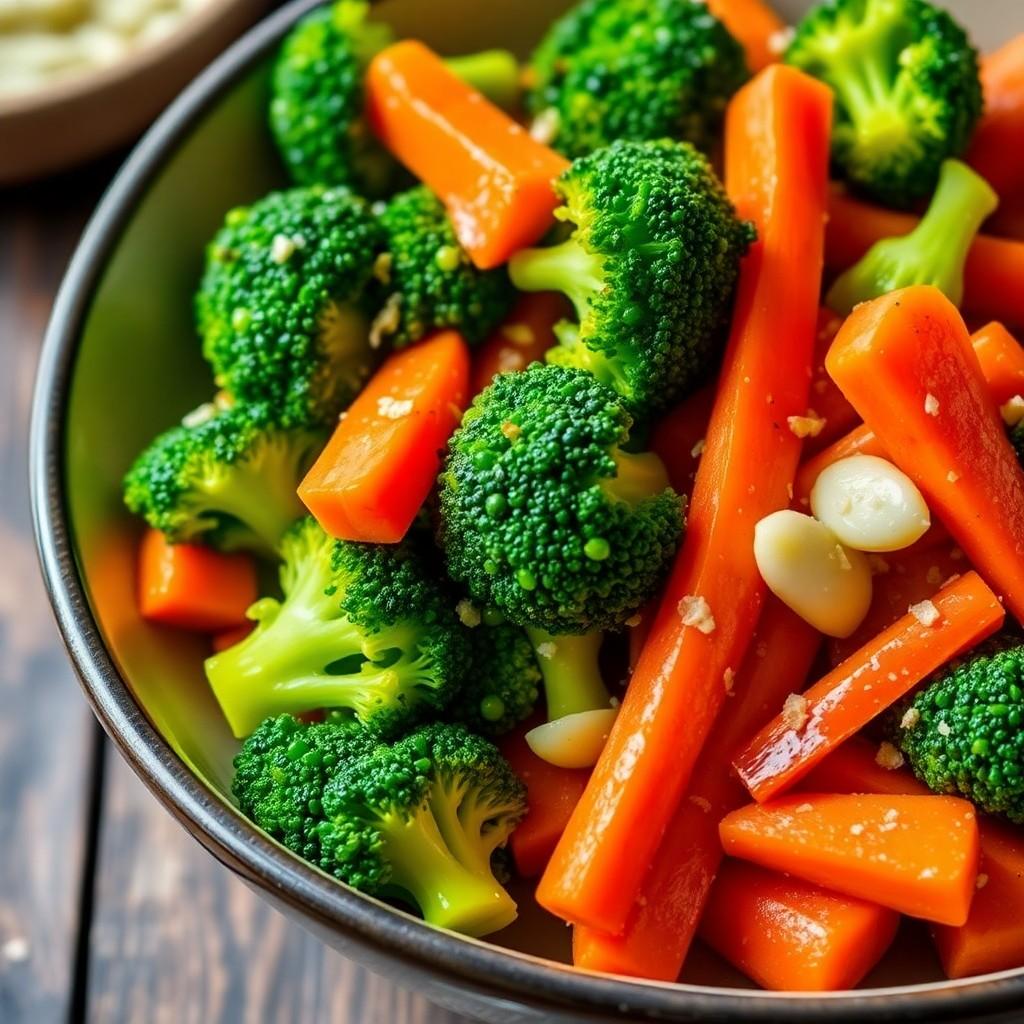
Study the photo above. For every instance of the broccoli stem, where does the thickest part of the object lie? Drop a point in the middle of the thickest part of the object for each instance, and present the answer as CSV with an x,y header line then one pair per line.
x,y
571,673
568,268
448,893
495,73
934,253
638,476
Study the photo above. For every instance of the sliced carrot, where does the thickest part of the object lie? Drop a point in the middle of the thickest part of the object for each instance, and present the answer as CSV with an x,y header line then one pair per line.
x,y
678,438
661,926
229,637
962,614
906,364
993,275
551,795
792,936
826,399
1001,358
993,937
755,25
522,338
901,580
776,156
995,150
495,180
1008,220
380,464
194,587
916,854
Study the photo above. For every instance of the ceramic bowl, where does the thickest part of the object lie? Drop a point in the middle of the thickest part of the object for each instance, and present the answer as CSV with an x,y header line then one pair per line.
x,y
122,362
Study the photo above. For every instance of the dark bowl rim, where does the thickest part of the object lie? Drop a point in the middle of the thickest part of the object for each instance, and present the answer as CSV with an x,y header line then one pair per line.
x,y
218,825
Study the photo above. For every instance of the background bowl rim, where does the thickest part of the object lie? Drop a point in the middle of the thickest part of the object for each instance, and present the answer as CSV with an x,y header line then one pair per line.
x,y
218,825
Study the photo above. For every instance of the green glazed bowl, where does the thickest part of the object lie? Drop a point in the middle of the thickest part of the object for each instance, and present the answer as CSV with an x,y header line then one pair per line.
x,y
120,363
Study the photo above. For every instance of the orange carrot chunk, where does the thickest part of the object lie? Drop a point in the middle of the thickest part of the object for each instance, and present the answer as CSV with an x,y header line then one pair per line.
x,y
915,854
776,157
194,587
371,480
993,274
995,151
678,438
756,27
661,926
792,936
906,364
811,725
826,399
551,795
494,179
993,937
523,338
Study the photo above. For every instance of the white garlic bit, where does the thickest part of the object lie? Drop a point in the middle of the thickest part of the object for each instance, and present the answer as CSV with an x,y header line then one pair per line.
x,y
870,504
575,741
806,567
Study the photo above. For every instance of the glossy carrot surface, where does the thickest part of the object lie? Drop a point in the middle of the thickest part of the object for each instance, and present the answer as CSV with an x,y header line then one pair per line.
x,y
996,148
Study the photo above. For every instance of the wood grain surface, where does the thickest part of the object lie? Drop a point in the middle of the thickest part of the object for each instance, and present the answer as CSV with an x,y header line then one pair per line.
x,y
109,912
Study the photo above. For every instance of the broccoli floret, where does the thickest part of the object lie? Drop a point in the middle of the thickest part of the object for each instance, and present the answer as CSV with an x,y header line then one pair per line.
x,y
571,671
225,478
421,819
650,269
318,101
543,515
428,281
635,70
907,91
281,772
503,681
933,253
362,627
282,307
962,733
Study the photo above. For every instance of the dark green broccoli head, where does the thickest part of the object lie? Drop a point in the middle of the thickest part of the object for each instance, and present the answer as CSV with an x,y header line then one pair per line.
x,y
503,682
363,627
429,282
421,818
962,733
650,268
316,110
636,70
282,306
281,772
318,97
907,91
227,478
933,253
543,515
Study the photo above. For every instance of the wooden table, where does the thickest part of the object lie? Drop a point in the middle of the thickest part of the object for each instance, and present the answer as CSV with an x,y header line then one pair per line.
x,y
109,912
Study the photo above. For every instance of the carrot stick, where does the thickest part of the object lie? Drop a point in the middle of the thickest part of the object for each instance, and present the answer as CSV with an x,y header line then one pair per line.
x,y
995,151
993,937
791,936
776,155
905,363
993,275
826,399
678,438
495,180
524,336
661,925
229,637
906,577
755,26
916,854
380,464
1001,358
551,795
193,587
962,614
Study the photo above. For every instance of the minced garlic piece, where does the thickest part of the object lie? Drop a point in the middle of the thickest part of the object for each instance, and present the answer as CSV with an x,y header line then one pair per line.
x,y
910,718
794,712
925,612
392,408
695,611
810,425
469,615
888,757
931,404
943,728
728,679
